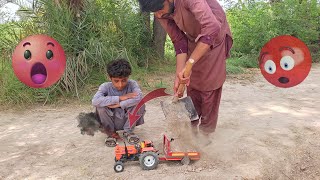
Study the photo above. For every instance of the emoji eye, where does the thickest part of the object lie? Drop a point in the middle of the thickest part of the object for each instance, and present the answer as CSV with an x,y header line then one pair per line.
x,y
287,63
27,54
270,67
49,54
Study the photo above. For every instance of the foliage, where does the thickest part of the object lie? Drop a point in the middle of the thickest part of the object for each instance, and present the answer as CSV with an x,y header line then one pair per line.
x,y
255,23
237,65
92,33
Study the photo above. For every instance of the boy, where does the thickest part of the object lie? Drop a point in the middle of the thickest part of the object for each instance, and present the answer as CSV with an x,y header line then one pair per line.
x,y
115,99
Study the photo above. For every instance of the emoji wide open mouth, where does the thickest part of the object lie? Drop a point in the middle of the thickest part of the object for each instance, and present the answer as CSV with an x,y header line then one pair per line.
x,y
283,80
38,73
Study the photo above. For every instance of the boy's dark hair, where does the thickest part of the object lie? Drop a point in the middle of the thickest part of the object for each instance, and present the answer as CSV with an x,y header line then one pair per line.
x,y
151,5
119,68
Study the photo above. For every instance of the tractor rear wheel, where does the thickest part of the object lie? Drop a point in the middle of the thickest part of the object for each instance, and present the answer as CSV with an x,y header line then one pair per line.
x,y
185,160
149,160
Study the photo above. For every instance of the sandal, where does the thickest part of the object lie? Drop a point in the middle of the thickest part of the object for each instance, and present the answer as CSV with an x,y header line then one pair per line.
x,y
110,141
131,138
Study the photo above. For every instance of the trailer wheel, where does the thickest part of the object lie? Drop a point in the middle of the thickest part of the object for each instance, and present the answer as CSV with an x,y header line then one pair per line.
x,y
149,160
185,160
118,167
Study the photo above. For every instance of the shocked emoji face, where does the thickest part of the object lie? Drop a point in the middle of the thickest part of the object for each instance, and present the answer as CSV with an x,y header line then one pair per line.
x,y
285,61
38,61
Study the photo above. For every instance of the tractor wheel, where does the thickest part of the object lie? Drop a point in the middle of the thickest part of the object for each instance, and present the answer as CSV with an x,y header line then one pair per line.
x,y
118,167
149,160
185,160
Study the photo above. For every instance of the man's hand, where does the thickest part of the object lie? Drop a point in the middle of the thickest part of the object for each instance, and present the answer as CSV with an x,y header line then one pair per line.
x,y
175,86
114,106
182,79
128,96
178,93
181,61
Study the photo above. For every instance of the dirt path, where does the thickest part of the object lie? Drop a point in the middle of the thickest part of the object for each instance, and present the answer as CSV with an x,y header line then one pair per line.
x,y
263,132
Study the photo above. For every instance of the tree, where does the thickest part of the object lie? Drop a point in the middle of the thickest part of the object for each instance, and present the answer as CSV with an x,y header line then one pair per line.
x,y
159,37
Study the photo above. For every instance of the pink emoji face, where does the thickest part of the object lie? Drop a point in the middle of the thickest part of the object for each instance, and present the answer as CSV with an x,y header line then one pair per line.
x,y
38,61
285,61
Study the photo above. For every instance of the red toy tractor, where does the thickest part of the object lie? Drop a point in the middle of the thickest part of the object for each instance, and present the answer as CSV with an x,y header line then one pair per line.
x,y
148,156
143,152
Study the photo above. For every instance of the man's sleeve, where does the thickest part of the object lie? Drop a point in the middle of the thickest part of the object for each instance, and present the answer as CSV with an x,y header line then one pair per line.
x,y
102,98
210,26
178,38
133,101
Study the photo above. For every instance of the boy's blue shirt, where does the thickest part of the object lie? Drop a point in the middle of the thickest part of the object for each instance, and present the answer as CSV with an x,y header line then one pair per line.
x,y
107,95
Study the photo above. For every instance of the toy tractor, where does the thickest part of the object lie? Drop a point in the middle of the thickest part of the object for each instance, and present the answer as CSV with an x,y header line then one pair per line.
x,y
148,156
144,152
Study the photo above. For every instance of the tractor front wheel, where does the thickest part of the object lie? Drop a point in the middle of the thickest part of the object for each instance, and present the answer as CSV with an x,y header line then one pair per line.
x,y
149,160
118,167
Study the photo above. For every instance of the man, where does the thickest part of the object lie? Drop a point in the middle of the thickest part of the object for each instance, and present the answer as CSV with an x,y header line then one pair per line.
x,y
199,31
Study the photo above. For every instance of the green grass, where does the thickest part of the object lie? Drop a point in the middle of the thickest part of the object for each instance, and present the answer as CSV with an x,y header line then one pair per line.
x,y
233,69
12,90
315,52
236,65
316,57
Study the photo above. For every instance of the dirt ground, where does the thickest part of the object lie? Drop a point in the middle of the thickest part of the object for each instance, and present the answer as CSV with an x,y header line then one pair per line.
x,y
263,132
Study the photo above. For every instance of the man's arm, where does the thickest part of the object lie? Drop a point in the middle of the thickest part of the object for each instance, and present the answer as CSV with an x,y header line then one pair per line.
x,y
210,27
178,37
181,61
180,43
101,100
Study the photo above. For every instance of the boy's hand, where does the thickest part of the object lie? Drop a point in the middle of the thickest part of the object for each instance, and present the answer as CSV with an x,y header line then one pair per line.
x,y
128,96
114,106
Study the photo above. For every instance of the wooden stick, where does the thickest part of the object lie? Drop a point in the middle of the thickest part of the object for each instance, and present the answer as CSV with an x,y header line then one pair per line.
x,y
186,73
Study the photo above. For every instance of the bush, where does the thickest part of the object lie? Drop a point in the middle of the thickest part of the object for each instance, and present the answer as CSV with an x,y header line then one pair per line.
x,y
92,33
255,23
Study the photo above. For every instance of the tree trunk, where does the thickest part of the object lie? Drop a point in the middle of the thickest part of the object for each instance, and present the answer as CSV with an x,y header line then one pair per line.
x,y
159,37
146,18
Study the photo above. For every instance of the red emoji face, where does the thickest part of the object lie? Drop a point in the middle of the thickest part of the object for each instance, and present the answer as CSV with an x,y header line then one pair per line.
x,y
285,61
38,61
